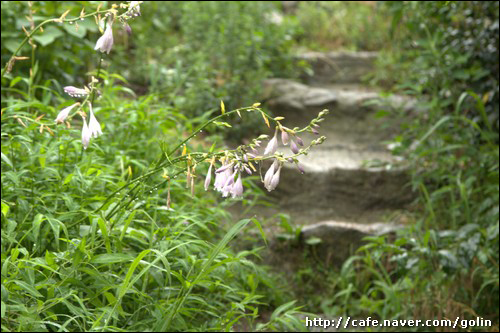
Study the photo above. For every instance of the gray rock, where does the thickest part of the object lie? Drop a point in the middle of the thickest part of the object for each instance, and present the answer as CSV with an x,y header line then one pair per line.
x,y
339,240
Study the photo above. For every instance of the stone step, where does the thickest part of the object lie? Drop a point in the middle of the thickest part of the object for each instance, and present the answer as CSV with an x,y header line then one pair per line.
x,y
339,240
362,195
351,100
331,241
352,175
337,67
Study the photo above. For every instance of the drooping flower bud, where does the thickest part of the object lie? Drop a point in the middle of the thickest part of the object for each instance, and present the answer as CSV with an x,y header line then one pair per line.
x,y
284,137
224,167
299,141
293,146
301,168
209,177
247,169
61,117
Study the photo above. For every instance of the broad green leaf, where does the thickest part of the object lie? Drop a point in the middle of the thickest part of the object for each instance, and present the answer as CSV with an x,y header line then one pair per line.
x,y
49,35
5,209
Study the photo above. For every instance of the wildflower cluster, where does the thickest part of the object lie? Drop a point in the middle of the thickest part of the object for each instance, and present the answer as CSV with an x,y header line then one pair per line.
x,y
228,177
92,128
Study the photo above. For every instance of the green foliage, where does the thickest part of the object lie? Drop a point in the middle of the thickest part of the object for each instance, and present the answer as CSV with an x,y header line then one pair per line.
x,y
348,25
72,41
209,51
89,241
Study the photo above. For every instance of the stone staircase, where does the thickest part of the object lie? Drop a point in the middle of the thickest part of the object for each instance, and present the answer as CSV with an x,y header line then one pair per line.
x,y
351,187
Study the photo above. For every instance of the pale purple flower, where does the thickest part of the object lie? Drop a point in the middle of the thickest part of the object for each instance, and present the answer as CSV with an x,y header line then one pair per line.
x,y
222,176
299,140
61,117
284,137
105,42
94,126
224,179
228,185
275,180
272,176
272,146
86,134
75,92
237,189
270,173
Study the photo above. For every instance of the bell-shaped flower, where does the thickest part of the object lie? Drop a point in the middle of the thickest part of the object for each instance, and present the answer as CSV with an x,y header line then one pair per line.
x,y
270,173
275,180
221,177
61,117
94,126
272,146
105,42
237,189
86,134
75,92
272,177
228,185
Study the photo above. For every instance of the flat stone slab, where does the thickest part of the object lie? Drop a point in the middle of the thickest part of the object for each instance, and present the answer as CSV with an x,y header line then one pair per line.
x,y
291,97
339,240
334,231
